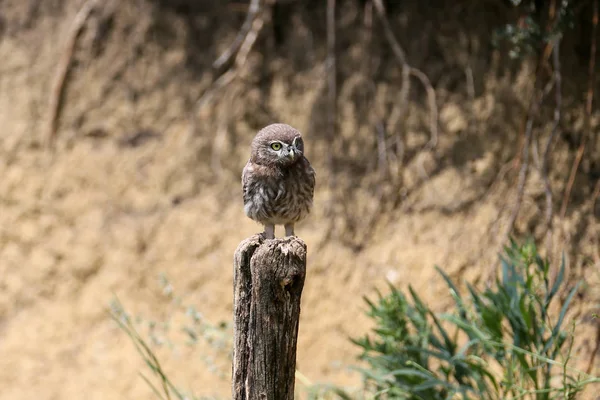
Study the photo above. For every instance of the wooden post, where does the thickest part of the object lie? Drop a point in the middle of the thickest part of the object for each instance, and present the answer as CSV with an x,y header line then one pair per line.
x,y
268,282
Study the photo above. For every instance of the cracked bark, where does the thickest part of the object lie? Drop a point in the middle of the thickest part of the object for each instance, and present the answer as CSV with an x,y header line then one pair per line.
x,y
268,282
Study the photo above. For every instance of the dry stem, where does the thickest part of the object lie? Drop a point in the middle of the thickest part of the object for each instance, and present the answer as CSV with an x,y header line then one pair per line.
x,y
242,50
545,156
237,45
331,97
595,230
409,70
60,77
588,113
534,106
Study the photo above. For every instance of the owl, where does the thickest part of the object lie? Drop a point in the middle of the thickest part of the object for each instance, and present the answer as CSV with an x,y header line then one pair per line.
x,y
278,182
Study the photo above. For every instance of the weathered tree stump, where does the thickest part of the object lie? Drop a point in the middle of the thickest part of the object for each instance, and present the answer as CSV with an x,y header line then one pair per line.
x,y
268,282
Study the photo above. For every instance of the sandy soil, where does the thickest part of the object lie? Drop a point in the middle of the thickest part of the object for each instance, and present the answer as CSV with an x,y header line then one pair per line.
x,y
127,196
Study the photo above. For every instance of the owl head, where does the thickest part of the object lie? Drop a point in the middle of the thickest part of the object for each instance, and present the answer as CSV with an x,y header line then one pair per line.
x,y
277,144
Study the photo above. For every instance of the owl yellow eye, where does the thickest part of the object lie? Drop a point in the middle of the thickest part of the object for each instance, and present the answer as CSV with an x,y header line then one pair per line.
x,y
276,146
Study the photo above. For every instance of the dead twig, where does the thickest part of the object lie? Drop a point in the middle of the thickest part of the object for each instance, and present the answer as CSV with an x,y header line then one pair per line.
x,y
522,159
588,370
368,35
382,159
407,70
595,229
470,82
524,170
249,41
571,181
588,113
397,117
247,27
546,154
62,70
542,65
240,60
331,71
534,106
431,97
241,55
388,162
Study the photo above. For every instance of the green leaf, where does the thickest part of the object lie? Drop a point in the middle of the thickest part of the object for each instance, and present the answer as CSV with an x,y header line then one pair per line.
x,y
561,317
557,282
454,293
450,345
410,372
430,384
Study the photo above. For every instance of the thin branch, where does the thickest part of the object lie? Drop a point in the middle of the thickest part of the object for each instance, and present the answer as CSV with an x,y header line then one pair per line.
x,y
588,113
62,70
433,120
384,157
534,107
247,27
409,70
368,35
572,174
397,116
522,159
595,231
249,41
545,156
542,65
534,149
331,70
470,82
524,170
595,351
382,160
241,56
389,35
220,83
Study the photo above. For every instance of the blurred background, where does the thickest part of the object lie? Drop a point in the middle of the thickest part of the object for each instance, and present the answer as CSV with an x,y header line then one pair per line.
x,y
437,129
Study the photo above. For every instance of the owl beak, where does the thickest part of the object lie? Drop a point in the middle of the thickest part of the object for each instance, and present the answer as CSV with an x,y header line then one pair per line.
x,y
292,153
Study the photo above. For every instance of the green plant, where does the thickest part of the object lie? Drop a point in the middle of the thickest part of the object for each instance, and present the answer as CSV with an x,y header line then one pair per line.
x,y
525,37
197,329
192,326
166,388
500,343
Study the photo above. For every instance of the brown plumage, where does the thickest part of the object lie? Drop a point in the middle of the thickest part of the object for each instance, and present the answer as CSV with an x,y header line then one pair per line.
x,y
278,181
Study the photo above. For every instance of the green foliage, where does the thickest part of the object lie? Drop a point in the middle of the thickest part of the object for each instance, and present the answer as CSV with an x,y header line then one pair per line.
x,y
526,37
500,343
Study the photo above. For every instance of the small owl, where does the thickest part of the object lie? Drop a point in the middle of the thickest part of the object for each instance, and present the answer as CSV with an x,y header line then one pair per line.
x,y
278,181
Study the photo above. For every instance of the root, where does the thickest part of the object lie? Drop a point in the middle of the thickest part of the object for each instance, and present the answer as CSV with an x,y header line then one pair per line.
x,y
408,70
62,71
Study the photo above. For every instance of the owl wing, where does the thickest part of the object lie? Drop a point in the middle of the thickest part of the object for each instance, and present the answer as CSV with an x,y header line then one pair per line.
x,y
312,177
246,173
